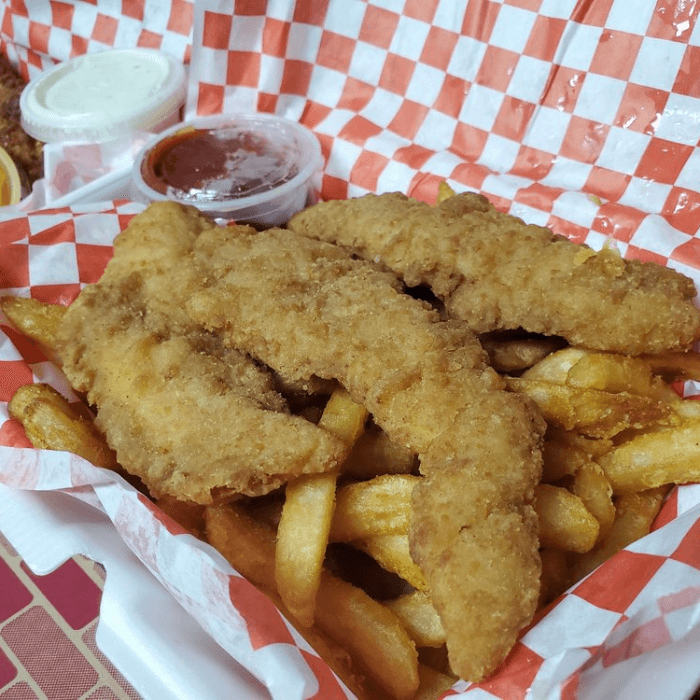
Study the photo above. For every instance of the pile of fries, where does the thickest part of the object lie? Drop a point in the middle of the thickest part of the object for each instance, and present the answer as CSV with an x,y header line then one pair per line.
x,y
331,550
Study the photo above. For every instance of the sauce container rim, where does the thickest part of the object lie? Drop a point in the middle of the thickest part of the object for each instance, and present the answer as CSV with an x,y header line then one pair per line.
x,y
310,162
48,125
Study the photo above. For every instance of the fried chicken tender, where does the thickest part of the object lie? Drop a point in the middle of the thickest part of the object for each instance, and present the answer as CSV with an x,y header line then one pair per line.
x,y
496,272
307,308
192,418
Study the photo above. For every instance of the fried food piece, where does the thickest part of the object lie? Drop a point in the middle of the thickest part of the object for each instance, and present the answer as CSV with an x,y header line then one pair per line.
x,y
35,319
25,151
51,423
308,308
497,273
193,419
362,640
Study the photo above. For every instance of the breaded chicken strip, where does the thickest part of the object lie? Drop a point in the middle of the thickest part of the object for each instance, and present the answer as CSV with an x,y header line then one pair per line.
x,y
307,308
496,273
193,419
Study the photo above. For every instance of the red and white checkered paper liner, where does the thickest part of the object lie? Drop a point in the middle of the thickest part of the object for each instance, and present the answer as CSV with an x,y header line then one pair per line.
x,y
580,116
644,597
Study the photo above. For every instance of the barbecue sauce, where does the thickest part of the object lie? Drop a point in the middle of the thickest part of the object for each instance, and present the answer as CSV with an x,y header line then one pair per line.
x,y
207,165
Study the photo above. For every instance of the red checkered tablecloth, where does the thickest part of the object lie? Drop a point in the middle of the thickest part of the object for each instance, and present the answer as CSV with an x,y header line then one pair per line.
x,y
47,633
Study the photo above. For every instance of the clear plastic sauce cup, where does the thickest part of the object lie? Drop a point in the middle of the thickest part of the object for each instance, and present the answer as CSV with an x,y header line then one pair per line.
x,y
252,168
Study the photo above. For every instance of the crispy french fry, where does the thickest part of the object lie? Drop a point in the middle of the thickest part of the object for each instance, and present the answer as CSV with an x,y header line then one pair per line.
x,y
565,523
594,413
433,683
593,447
653,459
35,319
343,417
617,374
560,459
444,192
380,506
593,488
302,534
555,366
634,516
420,618
249,546
392,553
51,423
374,453
370,632
301,541
518,354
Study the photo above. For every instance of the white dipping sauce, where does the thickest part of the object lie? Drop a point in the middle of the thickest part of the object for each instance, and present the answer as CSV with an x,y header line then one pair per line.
x,y
103,85
101,96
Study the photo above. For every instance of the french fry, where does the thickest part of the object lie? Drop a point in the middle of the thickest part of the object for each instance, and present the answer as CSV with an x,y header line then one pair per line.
x,y
380,506
433,683
35,319
51,423
302,534
593,447
420,618
654,459
634,516
595,413
345,615
249,546
555,366
392,553
374,453
565,523
343,417
593,488
372,633
561,459
518,354
444,192
617,374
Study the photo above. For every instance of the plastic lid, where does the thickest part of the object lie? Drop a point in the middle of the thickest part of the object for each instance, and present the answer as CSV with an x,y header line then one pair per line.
x,y
101,96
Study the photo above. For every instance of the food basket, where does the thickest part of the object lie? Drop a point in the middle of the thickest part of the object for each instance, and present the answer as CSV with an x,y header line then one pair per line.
x,y
577,116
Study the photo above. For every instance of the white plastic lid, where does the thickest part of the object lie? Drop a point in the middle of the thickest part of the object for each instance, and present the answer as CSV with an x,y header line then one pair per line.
x,y
101,96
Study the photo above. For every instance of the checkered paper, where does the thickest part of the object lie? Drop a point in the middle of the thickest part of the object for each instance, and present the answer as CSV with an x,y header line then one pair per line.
x,y
36,34
580,116
644,597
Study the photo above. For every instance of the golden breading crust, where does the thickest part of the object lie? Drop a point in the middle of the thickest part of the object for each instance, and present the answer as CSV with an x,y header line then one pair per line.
x,y
496,272
307,308
193,419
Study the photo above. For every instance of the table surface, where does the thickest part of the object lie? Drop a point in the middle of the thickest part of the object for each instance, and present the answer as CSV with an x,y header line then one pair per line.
x,y
47,633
